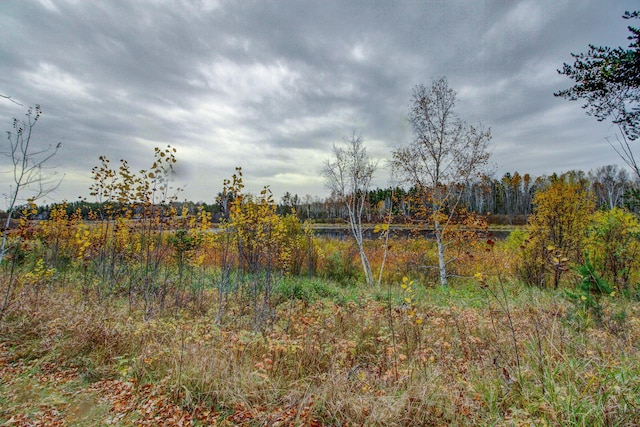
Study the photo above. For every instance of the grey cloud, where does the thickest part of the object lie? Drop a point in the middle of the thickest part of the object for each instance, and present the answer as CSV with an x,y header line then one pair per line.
x,y
270,86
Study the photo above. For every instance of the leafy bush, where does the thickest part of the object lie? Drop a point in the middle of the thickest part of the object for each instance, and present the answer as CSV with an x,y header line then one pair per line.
x,y
340,267
590,290
556,230
613,246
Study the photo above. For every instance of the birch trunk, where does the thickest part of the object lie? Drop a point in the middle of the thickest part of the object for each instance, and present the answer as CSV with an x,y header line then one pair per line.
x,y
442,265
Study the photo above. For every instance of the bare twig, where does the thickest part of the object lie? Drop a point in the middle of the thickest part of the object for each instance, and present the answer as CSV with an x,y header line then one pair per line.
x,y
624,151
10,99
348,175
28,165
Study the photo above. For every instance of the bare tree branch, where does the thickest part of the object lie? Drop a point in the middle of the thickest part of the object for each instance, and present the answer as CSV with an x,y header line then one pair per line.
x,y
10,99
348,175
28,169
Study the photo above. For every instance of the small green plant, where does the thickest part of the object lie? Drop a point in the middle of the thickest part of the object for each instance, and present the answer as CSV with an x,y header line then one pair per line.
x,y
295,290
184,245
587,297
339,267
409,302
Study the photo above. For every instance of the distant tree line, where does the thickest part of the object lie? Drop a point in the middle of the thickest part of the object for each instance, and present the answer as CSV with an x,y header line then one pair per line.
x,y
506,200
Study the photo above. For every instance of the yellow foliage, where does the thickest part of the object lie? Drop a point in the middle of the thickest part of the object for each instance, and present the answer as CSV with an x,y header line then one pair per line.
x,y
557,230
39,275
613,246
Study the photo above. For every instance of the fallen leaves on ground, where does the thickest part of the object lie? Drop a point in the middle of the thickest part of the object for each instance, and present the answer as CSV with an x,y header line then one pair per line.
x,y
27,388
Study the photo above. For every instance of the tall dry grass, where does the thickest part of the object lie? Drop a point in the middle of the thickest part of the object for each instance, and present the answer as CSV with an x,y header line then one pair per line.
x,y
354,355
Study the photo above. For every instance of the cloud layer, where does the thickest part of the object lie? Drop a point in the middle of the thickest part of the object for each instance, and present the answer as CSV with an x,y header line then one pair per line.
x,y
270,86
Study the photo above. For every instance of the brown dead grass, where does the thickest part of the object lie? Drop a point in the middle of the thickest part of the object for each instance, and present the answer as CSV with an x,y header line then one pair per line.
x,y
327,363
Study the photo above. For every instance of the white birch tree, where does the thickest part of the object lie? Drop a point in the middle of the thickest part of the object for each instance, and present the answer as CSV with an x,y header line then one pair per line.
x,y
348,175
445,154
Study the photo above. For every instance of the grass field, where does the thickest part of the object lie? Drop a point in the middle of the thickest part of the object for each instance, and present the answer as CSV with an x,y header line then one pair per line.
x,y
333,354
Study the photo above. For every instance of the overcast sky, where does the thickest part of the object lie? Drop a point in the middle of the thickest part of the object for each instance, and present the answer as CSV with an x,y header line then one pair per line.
x,y
271,85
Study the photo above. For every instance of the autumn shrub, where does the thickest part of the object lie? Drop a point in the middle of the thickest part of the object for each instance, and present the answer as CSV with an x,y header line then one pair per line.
x,y
341,267
301,255
189,239
58,233
264,240
556,232
410,256
613,246
257,229
135,212
261,244
417,257
338,259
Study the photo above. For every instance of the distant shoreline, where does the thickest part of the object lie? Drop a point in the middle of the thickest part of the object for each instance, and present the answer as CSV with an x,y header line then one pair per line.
x,y
343,230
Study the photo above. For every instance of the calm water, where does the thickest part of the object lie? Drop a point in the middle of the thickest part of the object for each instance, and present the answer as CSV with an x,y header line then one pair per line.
x,y
345,233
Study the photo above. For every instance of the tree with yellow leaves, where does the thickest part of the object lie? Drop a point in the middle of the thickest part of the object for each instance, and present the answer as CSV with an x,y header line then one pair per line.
x,y
613,246
557,229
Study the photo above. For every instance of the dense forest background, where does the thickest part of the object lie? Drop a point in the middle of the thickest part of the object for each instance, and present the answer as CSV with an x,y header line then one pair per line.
x,y
506,201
